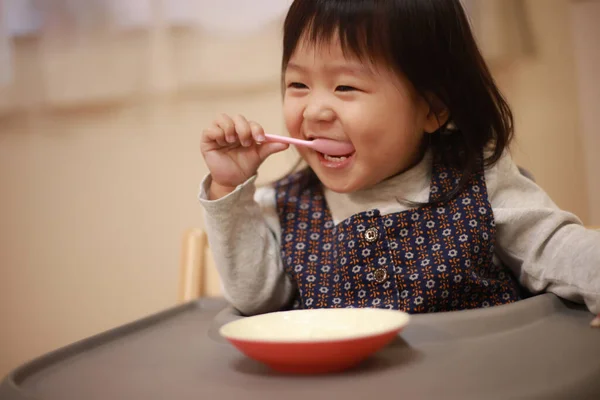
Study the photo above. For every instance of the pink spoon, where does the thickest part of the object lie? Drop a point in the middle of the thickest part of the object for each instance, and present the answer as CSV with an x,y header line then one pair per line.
x,y
326,146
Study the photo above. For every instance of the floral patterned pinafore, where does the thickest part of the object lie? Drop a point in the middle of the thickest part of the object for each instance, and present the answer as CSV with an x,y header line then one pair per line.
x,y
428,259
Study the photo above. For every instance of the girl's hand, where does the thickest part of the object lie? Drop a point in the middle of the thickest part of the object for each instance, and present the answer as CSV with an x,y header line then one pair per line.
x,y
596,322
232,150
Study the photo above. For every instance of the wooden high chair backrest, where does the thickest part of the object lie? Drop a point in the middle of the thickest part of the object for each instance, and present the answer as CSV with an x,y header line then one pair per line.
x,y
198,276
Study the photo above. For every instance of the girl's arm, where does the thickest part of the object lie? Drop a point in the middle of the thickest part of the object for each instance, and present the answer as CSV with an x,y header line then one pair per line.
x,y
547,248
244,235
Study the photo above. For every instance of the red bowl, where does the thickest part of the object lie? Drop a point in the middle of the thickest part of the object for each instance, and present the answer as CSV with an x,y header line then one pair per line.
x,y
315,341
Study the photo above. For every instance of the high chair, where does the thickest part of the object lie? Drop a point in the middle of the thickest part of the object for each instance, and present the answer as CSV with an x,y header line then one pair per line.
x,y
198,275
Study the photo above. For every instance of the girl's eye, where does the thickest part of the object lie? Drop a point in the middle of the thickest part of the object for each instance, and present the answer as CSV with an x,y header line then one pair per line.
x,y
297,85
344,88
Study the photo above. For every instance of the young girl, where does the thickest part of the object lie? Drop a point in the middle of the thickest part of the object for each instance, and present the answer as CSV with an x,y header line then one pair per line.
x,y
427,213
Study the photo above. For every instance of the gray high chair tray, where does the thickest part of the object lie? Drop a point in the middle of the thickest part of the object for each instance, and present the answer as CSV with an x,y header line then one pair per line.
x,y
540,348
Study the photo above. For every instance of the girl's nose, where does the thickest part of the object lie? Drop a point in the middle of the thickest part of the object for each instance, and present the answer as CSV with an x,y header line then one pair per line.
x,y
318,112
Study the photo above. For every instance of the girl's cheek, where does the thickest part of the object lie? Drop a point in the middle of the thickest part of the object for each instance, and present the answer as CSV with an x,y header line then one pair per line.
x,y
292,114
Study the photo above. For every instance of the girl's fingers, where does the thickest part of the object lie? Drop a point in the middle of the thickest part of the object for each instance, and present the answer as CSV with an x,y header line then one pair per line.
x,y
266,149
215,134
227,124
257,132
243,131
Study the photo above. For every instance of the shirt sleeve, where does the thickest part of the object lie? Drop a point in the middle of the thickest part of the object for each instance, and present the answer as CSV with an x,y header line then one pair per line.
x,y
244,236
548,249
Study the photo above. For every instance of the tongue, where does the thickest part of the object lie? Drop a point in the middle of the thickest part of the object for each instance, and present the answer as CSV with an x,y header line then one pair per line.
x,y
332,148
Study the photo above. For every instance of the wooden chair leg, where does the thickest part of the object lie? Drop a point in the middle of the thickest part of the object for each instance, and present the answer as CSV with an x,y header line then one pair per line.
x,y
192,265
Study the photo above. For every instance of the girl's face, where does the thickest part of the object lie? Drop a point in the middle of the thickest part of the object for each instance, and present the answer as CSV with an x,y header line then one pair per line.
x,y
330,95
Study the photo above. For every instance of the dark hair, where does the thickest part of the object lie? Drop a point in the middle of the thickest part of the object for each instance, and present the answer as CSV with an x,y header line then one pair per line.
x,y
431,43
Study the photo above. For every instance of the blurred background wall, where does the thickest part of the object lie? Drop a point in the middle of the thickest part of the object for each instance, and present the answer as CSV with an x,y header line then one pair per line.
x,y
101,107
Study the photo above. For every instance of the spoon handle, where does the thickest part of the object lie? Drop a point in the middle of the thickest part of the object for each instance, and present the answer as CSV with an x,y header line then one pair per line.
x,y
289,140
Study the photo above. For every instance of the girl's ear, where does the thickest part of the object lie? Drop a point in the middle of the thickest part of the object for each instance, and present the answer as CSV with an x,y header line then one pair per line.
x,y
437,116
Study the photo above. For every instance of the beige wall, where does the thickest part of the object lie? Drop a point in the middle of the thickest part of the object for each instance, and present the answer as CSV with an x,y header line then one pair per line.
x,y
586,31
542,90
94,202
